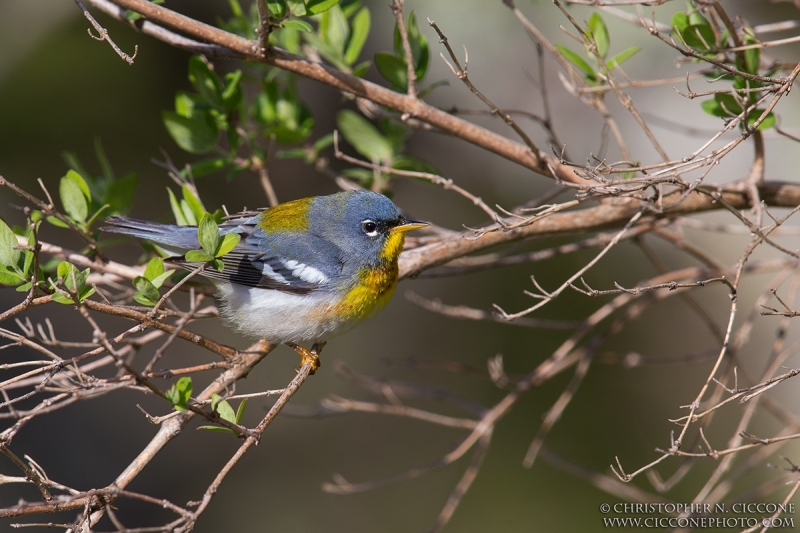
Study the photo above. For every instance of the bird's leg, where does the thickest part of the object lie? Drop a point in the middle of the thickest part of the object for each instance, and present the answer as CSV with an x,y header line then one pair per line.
x,y
308,356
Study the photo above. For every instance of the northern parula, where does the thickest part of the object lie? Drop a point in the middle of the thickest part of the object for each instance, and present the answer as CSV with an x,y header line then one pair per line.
x,y
303,271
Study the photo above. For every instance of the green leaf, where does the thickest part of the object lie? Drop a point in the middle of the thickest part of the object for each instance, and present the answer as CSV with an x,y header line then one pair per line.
x,y
60,298
186,104
154,268
8,255
335,29
208,235
194,203
146,288
144,300
300,25
217,429
240,411
209,166
599,33
177,212
315,7
752,56
680,21
418,43
407,162
364,137
223,409
63,269
232,94
621,57
578,61
25,287
205,81
292,153
158,281
180,393
393,68
9,278
358,36
73,199
71,174
277,8
198,256
768,122
196,135
322,143
229,241
361,69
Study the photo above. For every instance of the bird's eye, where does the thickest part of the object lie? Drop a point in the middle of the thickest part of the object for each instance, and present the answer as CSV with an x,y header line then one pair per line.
x,y
370,228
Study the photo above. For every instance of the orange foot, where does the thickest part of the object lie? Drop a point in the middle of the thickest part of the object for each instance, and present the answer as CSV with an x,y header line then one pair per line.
x,y
307,356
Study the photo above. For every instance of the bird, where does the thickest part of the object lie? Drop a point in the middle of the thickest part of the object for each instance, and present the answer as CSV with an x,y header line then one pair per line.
x,y
303,271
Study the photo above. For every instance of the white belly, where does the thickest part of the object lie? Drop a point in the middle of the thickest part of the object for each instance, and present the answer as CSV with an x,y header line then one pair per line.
x,y
281,317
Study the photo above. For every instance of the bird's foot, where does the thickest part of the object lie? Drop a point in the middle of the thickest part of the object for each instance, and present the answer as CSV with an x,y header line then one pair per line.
x,y
310,357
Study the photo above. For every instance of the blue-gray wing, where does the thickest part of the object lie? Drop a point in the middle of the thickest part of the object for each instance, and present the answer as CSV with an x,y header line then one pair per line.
x,y
290,262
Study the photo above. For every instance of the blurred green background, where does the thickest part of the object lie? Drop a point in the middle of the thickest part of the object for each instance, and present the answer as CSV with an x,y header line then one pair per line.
x,y
60,90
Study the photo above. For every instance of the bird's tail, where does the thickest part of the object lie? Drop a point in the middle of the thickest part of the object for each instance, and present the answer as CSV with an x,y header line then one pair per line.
x,y
168,235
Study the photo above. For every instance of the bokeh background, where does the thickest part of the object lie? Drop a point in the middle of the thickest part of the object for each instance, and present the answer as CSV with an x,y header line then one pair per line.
x,y
60,91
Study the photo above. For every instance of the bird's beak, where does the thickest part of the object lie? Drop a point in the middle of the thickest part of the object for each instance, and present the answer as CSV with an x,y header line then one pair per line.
x,y
408,225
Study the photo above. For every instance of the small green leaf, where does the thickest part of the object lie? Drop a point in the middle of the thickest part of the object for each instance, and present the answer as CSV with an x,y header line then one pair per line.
x,y
154,268
578,61
364,137
8,255
56,222
621,57
205,81
768,122
63,269
196,135
680,21
335,29
180,393
358,36
177,212
232,94
73,199
315,7
229,241
361,69
599,33
323,142
146,287
144,300
194,203
240,411
217,429
71,174
225,411
752,56
9,278
277,8
198,256
393,68
60,298
300,25
159,280
208,235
